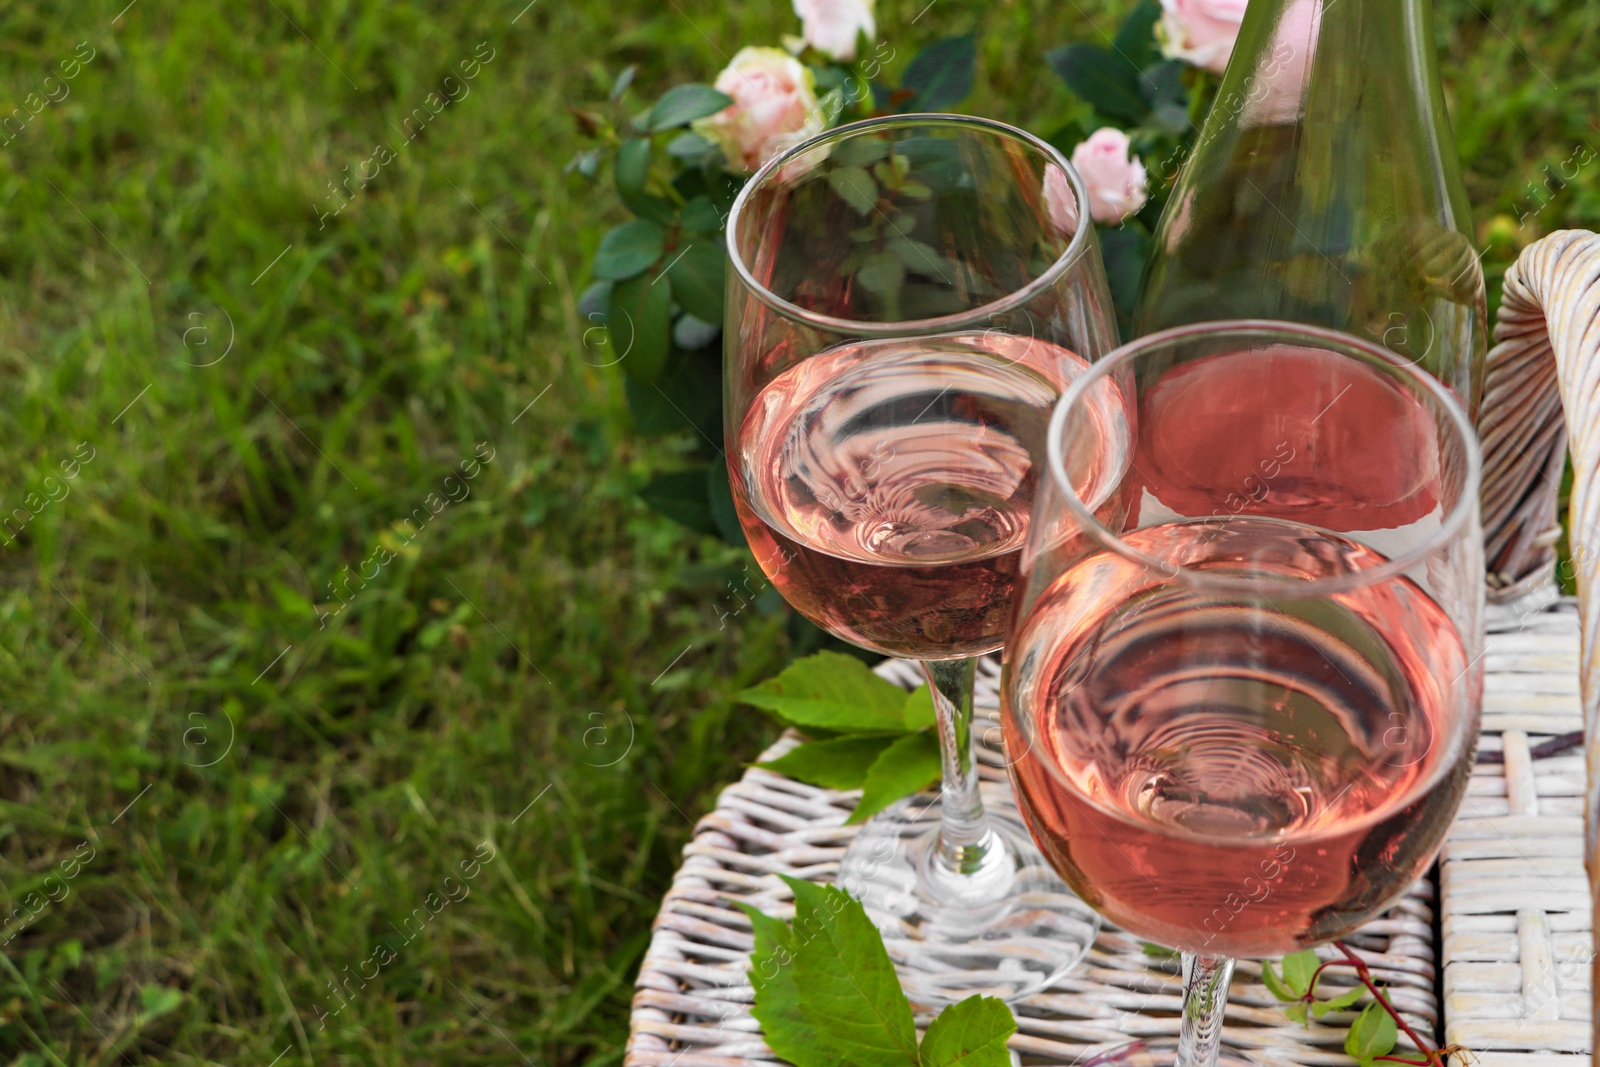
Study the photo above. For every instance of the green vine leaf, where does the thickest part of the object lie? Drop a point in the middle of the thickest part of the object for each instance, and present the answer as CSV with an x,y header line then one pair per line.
x,y
1338,1003
777,1005
906,766
838,763
833,691
972,1033
1298,971
1374,1034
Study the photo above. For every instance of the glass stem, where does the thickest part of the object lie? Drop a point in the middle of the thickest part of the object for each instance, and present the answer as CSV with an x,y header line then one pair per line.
x,y
1205,998
964,837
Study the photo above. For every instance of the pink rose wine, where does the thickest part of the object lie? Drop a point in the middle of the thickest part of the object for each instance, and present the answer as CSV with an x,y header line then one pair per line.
x,y
885,485
1235,774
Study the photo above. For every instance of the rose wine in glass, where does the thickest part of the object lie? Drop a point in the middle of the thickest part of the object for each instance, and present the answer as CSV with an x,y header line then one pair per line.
x,y
1243,679
907,299
890,483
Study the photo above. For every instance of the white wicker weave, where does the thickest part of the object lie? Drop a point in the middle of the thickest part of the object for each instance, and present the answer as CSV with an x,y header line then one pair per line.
x,y
1515,907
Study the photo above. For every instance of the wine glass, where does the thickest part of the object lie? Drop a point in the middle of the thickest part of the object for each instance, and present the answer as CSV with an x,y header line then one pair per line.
x,y
1242,686
908,298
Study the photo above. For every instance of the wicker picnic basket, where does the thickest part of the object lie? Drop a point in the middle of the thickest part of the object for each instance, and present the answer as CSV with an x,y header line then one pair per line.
x,y
1511,919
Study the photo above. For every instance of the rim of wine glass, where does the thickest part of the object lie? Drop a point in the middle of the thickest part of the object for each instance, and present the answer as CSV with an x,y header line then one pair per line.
x,y
913,327
1253,329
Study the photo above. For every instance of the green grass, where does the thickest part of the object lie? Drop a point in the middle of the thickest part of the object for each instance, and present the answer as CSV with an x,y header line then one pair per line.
x,y
544,665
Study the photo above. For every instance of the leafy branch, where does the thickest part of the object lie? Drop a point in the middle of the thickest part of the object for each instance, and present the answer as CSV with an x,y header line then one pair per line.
x,y
827,993
868,734
1377,1029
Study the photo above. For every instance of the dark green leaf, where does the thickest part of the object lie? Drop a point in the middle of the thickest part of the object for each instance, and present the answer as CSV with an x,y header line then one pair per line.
x,y
1162,83
1298,969
905,767
919,258
1124,250
941,75
1104,79
702,216
1340,1002
860,151
687,397
689,147
633,166
593,303
624,80
658,209
848,987
1274,984
833,691
640,321
685,103
841,763
972,1033
855,187
1136,37
882,273
777,1005
697,274
629,249
720,494
918,711
681,496
1373,1034
690,333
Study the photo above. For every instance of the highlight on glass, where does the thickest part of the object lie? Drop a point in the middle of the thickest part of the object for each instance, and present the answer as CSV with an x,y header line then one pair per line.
x,y
1246,660
908,298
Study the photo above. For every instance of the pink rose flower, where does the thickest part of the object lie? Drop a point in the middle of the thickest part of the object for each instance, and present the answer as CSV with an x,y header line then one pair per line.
x,y
1200,31
832,26
774,107
1116,180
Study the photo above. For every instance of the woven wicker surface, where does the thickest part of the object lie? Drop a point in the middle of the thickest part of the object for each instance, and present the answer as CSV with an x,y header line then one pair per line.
x,y
1515,901
692,1005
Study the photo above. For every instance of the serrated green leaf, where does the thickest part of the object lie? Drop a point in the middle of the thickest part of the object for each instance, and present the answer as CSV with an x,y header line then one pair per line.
x,y
639,318
848,987
777,1004
1104,79
1373,1034
1274,984
1296,1012
633,166
684,103
855,187
1338,1003
903,768
629,249
972,1033
833,691
1298,969
841,763
697,276
942,74
918,712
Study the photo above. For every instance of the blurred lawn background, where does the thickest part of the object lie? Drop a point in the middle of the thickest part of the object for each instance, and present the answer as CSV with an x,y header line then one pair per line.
x,y
264,789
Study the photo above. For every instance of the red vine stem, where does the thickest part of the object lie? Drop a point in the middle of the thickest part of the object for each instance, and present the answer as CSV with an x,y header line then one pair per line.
x,y
1366,979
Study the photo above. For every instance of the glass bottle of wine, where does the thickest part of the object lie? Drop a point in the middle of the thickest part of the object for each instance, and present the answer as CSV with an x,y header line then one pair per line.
x,y
1324,188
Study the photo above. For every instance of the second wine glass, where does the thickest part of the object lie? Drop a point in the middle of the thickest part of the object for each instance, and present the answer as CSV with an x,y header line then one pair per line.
x,y
907,299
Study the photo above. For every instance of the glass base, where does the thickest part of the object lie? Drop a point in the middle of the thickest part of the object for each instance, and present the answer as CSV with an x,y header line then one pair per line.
x,y
1007,930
